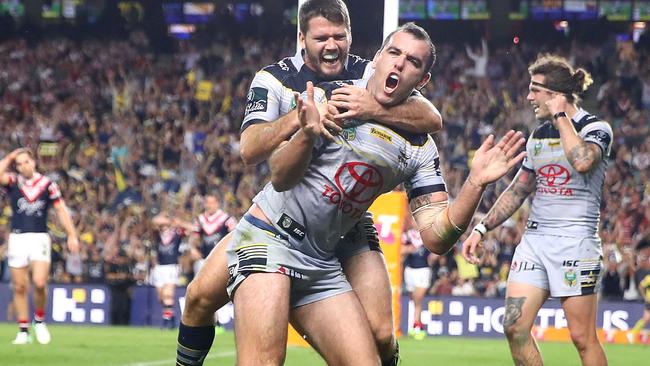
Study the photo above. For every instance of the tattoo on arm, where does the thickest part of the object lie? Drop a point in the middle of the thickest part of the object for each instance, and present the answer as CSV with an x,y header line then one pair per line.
x,y
419,201
513,310
584,156
511,199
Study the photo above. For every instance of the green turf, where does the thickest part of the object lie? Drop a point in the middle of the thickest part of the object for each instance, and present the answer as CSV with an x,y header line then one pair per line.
x,y
121,346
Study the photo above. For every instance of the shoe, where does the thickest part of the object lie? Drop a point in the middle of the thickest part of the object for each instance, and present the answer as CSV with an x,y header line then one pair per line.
x,y
22,338
420,335
41,332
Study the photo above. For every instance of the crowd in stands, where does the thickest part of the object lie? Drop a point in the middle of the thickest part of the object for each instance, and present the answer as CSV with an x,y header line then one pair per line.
x,y
128,133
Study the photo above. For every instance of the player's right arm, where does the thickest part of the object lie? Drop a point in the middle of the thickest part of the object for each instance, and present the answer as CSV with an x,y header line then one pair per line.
x,y
506,205
263,128
5,178
290,161
260,139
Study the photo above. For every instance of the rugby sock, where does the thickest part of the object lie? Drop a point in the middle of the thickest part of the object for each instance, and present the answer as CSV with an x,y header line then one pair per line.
x,y
39,316
23,325
193,344
638,326
394,360
168,316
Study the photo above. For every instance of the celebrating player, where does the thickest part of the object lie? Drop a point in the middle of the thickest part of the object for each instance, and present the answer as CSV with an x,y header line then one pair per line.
x,y
560,254
269,120
282,257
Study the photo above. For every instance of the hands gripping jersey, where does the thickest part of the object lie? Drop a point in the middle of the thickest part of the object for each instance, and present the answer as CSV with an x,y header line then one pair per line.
x,y
345,177
271,93
566,202
212,228
30,201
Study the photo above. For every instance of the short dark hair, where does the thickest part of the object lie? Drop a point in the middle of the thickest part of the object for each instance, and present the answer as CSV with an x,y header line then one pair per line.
x,y
560,76
333,10
420,34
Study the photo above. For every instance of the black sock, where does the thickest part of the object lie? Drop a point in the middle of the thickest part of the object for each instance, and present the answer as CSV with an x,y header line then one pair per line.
x,y
394,360
193,344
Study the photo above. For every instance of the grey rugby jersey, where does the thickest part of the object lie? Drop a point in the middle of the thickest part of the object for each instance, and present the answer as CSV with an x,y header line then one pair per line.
x,y
270,95
566,202
345,177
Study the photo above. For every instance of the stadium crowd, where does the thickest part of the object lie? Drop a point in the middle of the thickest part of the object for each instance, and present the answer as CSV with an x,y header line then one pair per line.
x,y
128,133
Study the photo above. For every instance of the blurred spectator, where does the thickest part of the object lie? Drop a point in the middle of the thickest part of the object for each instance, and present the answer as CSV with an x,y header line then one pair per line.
x,y
120,280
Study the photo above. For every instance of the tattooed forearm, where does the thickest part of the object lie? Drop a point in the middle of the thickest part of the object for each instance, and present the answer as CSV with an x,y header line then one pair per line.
x,y
583,156
419,201
513,310
511,199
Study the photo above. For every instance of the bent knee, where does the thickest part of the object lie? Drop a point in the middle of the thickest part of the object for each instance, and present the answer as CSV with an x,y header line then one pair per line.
x,y
383,334
40,285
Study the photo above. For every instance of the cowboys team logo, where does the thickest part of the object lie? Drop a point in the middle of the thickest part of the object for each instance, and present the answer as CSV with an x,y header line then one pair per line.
x,y
349,134
257,100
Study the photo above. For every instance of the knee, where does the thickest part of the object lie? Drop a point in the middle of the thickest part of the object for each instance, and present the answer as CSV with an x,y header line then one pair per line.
x,y
196,300
516,332
581,338
20,289
384,335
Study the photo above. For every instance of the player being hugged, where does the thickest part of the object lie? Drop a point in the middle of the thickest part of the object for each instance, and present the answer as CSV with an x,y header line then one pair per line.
x,y
31,195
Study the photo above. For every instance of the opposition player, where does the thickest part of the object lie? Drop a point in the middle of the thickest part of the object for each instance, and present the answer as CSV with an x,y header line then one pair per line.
x,y
560,254
169,237
282,256
642,277
31,195
207,230
269,120
417,272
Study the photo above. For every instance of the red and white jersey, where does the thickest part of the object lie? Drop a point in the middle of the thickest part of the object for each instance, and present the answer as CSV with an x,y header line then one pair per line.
x,y
212,228
30,201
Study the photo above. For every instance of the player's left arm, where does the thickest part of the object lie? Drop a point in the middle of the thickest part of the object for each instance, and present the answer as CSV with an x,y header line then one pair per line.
x,y
582,153
66,221
441,224
416,114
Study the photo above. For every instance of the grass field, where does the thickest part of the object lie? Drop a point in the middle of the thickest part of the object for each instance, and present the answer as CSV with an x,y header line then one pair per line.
x,y
122,346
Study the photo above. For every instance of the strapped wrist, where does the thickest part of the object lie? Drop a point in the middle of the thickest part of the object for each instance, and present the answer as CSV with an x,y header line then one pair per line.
x,y
481,229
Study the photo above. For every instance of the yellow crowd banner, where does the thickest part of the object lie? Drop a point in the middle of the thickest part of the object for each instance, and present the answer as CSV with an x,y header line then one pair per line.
x,y
388,213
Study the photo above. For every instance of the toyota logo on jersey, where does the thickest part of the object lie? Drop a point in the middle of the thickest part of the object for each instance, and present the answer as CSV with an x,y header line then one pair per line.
x,y
359,182
554,175
356,183
552,178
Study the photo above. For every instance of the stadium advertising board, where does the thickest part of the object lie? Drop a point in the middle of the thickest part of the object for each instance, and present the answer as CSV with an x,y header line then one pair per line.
x,y
481,317
616,10
73,304
443,9
412,9
474,10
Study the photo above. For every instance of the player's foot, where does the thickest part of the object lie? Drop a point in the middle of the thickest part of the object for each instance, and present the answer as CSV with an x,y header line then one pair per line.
x,y
42,334
22,338
419,335
630,337
219,330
